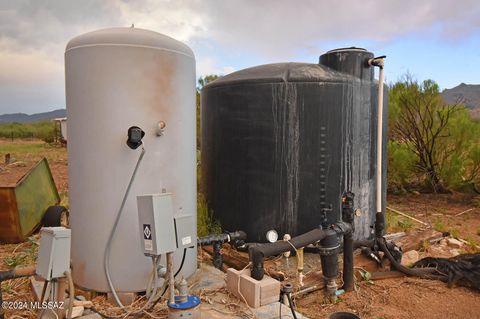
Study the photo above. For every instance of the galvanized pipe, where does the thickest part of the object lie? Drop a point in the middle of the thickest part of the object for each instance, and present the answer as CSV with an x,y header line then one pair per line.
x,y
171,279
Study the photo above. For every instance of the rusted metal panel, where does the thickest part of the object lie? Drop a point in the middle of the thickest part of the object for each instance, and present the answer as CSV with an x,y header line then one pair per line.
x,y
23,206
9,224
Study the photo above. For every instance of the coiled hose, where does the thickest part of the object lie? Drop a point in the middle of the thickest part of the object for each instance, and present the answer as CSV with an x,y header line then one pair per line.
x,y
408,271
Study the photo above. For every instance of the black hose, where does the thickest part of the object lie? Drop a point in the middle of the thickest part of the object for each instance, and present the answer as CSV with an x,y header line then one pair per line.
x,y
178,271
401,268
181,264
379,224
363,243
291,306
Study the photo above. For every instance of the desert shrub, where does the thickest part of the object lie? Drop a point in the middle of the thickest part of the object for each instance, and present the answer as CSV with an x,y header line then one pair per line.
x,y
401,164
206,225
437,143
44,130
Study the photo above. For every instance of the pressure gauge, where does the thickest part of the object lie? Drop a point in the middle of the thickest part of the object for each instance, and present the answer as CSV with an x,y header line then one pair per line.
x,y
272,236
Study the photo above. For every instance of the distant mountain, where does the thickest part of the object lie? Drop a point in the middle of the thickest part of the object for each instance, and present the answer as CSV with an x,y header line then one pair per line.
x,y
468,94
25,118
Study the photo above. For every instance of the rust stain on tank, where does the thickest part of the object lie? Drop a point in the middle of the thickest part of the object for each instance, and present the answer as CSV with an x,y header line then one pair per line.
x,y
78,272
158,79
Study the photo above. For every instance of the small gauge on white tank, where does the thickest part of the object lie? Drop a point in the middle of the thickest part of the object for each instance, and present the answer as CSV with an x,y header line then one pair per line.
x,y
272,236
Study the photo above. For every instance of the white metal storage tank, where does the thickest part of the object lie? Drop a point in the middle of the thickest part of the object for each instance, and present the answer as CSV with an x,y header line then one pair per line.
x,y
117,78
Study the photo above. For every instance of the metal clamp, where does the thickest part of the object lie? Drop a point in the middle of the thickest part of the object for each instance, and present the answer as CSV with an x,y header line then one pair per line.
x,y
328,251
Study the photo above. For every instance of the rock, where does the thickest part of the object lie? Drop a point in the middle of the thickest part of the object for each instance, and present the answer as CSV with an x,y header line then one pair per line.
x,y
17,164
85,304
77,311
455,252
454,243
91,316
410,257
443,243
415,239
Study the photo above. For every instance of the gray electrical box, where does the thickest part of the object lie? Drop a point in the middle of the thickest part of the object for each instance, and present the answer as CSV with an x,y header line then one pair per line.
x,y
184,229
54,252
157,227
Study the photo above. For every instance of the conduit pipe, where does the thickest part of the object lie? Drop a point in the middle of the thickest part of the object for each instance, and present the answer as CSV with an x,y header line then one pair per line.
x,y
106,256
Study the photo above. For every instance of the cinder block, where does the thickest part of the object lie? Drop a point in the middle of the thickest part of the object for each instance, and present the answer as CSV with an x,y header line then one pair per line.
x,y
249,290
256,292
269,290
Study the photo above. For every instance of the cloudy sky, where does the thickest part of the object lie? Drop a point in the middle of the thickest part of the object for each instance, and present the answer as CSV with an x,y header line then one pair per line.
x,y
437,39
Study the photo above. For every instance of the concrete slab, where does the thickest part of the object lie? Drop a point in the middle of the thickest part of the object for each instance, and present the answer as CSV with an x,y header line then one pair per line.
x,y
276,310
206,277
215,305
270,311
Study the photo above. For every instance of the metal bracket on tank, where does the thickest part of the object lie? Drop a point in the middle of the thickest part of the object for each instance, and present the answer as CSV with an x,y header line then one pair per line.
x,y
377,61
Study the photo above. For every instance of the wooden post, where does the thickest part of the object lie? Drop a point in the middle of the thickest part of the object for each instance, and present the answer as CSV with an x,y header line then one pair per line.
x,y
60,294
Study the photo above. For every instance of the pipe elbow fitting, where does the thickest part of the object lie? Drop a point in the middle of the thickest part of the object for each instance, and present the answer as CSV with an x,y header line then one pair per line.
x,y
256,258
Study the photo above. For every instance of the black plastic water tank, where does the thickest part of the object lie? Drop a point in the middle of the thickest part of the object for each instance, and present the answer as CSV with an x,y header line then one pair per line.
x,y
281,143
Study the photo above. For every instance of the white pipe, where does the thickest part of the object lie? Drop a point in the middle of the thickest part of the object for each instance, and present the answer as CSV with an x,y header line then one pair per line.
x,y
380,136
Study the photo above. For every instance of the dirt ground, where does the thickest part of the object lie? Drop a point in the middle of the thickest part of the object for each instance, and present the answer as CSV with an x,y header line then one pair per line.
x,y
393,298
25,154
398,299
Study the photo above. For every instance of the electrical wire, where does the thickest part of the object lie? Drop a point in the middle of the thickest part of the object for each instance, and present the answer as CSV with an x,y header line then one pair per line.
x,y
181,264
151,294
177,272
290,302
106,259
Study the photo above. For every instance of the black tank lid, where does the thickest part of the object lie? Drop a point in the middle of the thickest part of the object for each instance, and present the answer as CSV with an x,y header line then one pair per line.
x,y
343,64
353,61
281,72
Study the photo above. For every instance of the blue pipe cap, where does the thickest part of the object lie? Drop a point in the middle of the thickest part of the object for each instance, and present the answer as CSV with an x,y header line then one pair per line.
x,y
192,302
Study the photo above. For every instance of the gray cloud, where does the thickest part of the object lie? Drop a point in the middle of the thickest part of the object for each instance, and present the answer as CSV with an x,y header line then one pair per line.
x,y
33,33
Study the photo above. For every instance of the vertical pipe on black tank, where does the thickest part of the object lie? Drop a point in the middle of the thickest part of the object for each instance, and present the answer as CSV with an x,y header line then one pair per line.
x,y
380,217
348,217
329,260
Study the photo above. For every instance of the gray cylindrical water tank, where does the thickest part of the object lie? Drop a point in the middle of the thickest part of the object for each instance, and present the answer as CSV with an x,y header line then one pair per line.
x,y
281,143
117,78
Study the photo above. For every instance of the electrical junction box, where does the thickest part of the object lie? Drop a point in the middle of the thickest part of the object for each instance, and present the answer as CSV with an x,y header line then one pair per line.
x,y
184,230
157,227
54,252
